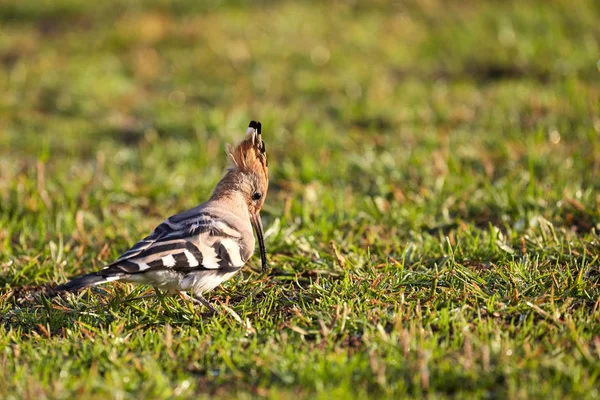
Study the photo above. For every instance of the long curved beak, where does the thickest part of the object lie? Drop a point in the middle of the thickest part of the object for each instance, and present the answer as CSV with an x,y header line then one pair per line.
x,y
258,228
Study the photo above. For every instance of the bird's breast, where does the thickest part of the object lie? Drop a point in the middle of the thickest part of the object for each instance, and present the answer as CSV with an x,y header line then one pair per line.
x,y
204,281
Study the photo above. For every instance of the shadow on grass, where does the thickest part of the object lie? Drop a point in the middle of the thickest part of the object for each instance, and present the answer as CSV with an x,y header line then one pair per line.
x,y
42,311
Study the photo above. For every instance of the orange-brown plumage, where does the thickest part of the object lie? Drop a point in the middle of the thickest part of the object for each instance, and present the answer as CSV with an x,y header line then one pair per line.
x,y
250,154
248,172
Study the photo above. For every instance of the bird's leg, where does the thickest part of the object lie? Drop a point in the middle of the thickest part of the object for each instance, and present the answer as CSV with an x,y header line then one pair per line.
x,y
202,300
198,299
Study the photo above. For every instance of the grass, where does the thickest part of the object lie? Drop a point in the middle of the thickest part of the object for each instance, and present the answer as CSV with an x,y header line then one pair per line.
x,y
432,222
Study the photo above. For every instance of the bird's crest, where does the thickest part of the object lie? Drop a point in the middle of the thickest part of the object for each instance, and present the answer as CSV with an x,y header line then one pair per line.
x,y
250,154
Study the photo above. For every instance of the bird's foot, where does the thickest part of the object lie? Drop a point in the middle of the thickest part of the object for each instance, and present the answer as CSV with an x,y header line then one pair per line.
x,y
198,299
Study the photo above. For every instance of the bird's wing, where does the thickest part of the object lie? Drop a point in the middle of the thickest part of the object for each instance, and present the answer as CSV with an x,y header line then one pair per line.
x,y
192,240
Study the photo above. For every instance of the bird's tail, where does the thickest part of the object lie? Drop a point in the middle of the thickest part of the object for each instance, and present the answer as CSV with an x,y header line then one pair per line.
x,y
88,280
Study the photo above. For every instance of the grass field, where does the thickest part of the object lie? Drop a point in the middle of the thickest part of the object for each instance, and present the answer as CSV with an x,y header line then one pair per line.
x,y
432,221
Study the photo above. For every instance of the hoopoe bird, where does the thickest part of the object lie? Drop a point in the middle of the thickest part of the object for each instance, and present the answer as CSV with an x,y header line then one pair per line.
x,y
198,249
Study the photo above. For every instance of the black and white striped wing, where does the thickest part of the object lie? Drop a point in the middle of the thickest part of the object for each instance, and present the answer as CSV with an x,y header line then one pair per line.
x,y
185,242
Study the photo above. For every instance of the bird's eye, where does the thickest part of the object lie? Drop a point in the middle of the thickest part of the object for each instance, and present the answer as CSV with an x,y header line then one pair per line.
x,y
256,196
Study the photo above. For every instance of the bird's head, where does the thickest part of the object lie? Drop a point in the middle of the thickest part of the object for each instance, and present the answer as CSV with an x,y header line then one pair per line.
x,y
248,161
248,175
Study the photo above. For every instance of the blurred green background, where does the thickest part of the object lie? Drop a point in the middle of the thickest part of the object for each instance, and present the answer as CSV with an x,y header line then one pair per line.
x,y
449,149
391,99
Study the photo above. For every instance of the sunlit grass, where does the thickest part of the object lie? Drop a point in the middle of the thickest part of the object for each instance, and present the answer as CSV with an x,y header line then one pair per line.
x,y
432,221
